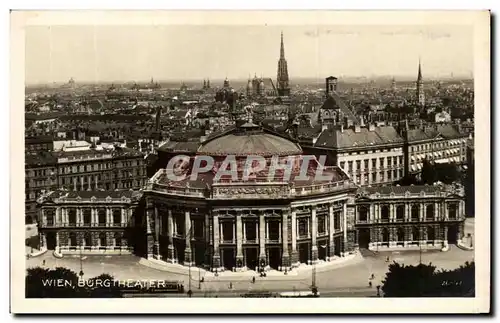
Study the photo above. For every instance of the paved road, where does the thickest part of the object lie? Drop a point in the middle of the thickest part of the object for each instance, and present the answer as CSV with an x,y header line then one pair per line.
x,y
349,280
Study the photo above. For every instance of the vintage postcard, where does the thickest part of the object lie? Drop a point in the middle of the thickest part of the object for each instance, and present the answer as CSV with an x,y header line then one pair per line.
x,y
172,158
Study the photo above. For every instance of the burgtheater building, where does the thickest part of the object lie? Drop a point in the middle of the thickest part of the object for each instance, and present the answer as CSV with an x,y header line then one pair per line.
x,y
260,224
256,224
269,220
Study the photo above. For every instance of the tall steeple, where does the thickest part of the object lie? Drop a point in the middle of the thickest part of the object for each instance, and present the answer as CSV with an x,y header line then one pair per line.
x,y
282,79
282,48
420,85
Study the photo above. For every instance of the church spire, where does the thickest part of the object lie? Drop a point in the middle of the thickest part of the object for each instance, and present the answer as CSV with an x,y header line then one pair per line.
x,y
282,79
282,48
419,77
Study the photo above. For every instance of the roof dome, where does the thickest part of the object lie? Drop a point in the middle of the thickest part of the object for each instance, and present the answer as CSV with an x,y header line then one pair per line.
x,y
248,141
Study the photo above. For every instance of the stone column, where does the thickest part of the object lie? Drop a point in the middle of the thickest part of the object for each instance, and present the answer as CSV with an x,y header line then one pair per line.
x,y
82,186
239,241
407,217
295,253
149,232
187,230
314,232
96,182
285,259
460,232
436,212
343,215
422,212
108,211
58,243
446,211
262,240
407,235
124,217
170,247
331,230
391,213
216,231
156,251
89,188
445,236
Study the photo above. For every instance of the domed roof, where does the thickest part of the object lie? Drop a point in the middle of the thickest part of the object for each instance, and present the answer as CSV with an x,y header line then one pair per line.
x,y
257,143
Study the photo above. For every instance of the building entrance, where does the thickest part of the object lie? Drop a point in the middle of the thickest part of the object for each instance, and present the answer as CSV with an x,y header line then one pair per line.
x,y
274,257
228,258
322,249
51,240
364,238
452,234
304,252
252,257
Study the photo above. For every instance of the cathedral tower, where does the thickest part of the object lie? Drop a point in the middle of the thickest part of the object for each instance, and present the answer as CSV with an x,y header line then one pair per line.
x,y
282,80
420,86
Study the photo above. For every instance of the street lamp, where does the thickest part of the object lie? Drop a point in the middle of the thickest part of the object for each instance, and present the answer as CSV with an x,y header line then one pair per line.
x,y
81,260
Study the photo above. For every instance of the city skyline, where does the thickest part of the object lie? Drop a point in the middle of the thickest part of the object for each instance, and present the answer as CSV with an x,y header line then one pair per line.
x,y
104,54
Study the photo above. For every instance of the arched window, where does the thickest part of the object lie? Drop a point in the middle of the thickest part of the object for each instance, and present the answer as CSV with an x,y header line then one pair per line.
x,y
117,217
87,217
363,213
415,210
118,239
431,233
102,216
385,235
429,212
452,210
415,234
72,240
72,217
384,213
401,234
400,213
88,239
102,239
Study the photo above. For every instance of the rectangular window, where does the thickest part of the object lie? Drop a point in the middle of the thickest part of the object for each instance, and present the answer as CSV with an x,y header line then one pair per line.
x,y
303,228
366,163
349,163
395,174
401,160
358,165
388,175
374,163
382,164
389,161
321,224
374,177
381,174
342,165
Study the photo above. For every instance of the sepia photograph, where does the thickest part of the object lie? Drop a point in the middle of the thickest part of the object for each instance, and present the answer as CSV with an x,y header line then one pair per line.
x,y
244,155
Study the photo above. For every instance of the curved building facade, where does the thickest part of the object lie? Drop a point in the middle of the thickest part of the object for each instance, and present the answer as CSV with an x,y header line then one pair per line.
x,y
260,223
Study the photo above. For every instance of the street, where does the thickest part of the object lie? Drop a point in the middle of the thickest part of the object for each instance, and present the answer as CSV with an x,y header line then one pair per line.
x,y
350,280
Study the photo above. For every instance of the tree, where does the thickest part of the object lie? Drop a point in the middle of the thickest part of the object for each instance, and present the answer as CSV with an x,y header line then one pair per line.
x,y
63,283
102,286
424,281
56,283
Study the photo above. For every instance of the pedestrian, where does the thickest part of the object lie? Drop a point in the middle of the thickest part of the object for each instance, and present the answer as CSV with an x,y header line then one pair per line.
x,y
230,285
43,262
253,280
370,284
373,276
387,259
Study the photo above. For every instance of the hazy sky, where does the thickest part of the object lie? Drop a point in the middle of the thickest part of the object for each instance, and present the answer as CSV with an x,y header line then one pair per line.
x,y
128,53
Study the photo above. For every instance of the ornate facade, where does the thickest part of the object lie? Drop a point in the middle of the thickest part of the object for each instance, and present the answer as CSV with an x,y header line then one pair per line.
x,y
256,224
411,216
88,221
